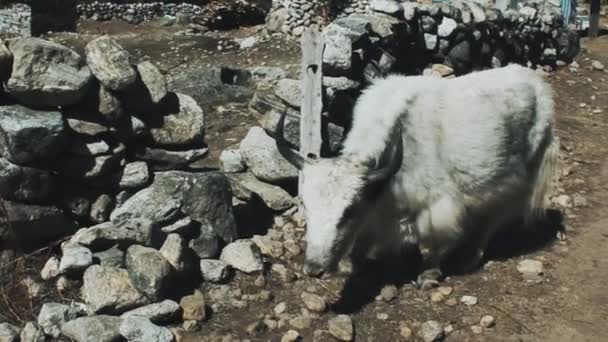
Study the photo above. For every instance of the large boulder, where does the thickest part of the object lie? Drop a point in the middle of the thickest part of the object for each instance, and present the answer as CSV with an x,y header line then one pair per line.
x,y
28,135
109,290
110,63
184,123
205,197
24,184
35,223
46,74
262,157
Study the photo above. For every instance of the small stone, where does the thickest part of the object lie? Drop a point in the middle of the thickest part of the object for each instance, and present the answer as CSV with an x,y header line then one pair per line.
x,y
563,201
445,290
243,255
431,331
313,302
468,300
162,312
149,271
385,6
173,249
487,321
476,329
341,327
140,329
286,275
579,201
102,328
248,43
293,248
33,287
301,322
76,258
178,226
9,332
32,332
597,65
531,270
53,316
231,161
451,302
50,269
193,307
405,332
290,336
448,329
260,281
135,176
191,325
388,293
280,309
215,271
383,316
437,297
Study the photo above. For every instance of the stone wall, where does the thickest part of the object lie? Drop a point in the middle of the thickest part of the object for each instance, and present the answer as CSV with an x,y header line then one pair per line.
x,y
15,20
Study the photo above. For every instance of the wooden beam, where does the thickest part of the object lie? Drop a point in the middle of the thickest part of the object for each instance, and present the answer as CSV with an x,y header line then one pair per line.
x,y
594,18
312,95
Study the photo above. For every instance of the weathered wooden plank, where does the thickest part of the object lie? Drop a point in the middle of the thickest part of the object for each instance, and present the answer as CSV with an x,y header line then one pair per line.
x,y
312,94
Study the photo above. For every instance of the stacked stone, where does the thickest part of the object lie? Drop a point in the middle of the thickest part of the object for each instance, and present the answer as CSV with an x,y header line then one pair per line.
x,y
135,13
15,20
298,14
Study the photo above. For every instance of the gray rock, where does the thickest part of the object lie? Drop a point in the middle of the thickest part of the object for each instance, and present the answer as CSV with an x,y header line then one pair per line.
x,y
32,332
76,258
173,250
385,6
163,312
430,41
101,208
207,243
149,271
35,223
50,269
267,74
273,196
86,127
468,300
165,160
337,56
248,43
447,27
215,271
109,290
111,257
53,316
153,82
110,63
431,331
340,83
101,328
243,255
129,231
24,184
109,106
135,176
28,135
205,197
341,327
289,91
179,226
184,124
276,19
140,329
269,122
46,74
262,157
8,332
231,161
409,10
91,169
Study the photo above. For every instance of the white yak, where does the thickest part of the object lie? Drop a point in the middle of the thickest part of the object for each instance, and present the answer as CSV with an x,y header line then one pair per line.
x,y
439,162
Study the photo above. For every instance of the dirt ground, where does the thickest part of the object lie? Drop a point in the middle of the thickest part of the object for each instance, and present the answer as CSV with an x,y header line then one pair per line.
x,y
569,304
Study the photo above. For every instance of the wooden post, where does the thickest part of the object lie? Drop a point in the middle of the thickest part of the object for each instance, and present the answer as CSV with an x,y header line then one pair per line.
x,y
312,96
594,18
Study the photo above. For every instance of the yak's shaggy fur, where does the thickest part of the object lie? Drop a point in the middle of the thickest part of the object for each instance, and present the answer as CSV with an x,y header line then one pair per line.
x,y
478,151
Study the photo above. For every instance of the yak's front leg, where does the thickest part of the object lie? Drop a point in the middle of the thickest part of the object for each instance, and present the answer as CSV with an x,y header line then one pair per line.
x,y
440,227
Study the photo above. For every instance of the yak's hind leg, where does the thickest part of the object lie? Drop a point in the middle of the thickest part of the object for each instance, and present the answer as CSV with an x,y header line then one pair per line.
x,y
441,228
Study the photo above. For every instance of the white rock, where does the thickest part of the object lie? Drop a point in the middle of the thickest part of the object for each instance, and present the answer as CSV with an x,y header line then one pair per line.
x,y
487,321
447,26
385,6
341,327
231,161
50,269
215,271
243,255
75,258
468,300
431,331
135,175
248,43
157,313
530,269
597,65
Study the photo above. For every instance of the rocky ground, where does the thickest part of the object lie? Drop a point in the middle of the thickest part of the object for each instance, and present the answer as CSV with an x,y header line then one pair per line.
x,y
534,287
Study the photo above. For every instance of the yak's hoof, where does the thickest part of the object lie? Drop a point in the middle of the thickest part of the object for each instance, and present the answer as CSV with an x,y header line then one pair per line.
x,y
429,279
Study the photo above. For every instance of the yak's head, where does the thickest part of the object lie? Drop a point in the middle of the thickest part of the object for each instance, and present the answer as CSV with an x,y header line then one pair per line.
x,y
334,196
